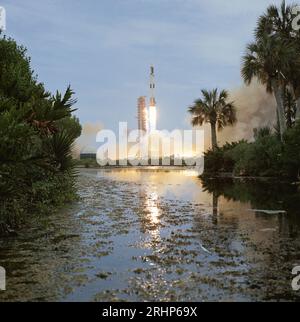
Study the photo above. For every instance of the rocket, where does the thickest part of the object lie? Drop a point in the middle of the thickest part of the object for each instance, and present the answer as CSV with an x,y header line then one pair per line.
x,y
152,108
152,87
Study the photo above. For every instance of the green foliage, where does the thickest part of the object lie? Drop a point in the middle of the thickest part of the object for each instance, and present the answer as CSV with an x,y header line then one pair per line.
x,y
260,158
215,109
267,156
273,59
37,132
291,151
219,160
16,78
290,109
70,124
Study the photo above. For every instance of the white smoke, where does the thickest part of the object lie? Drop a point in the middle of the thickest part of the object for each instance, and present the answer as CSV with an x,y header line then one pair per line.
x,y
255,108
87,141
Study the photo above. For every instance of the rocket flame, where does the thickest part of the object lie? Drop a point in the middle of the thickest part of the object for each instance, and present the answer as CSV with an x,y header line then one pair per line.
x,y
152,118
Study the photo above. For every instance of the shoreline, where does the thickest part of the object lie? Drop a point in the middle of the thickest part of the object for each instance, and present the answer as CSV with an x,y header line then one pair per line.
x,y
249,178
220,176
169,168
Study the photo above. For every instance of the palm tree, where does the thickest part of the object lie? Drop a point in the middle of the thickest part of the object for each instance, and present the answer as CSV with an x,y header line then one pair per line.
x,y
268,59
215,109
49,110
290,109
277,22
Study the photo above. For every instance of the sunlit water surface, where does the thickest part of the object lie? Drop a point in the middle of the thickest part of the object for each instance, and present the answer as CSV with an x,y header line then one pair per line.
x,y
157,235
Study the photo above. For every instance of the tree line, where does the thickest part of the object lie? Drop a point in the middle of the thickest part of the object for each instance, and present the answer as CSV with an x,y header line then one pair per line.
x,y
273,58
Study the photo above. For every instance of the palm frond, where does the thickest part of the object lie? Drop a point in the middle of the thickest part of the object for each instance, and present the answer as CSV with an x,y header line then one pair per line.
x,y
213,108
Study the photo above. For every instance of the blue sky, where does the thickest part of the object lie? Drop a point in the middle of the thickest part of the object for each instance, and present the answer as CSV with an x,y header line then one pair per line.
x,y
104,49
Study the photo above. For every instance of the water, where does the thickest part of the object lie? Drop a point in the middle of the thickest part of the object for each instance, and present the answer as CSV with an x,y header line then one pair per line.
x,y
159,235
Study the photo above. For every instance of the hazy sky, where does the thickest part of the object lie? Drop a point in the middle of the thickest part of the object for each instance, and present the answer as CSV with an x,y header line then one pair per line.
x,y
104,49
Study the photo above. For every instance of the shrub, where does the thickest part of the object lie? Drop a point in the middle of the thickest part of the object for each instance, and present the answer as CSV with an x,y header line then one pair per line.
x,y
263,157
37,132
291,151
220,160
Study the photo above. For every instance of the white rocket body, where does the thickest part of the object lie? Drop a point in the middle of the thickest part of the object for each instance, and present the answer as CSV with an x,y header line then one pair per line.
x,y
152,114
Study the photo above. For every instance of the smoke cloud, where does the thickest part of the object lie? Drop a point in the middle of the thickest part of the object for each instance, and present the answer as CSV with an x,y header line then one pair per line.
x,y
255,108
87,141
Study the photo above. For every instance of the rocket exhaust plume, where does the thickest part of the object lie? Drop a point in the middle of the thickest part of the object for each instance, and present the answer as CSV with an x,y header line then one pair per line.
x,y
152,107
152,118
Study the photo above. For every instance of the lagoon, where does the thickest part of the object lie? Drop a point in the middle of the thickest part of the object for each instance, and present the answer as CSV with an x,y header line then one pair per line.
x,y
159,235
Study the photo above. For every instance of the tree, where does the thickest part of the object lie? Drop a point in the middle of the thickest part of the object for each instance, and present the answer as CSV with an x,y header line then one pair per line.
x,y
37,131
268,59
71,125
277,22
215,109
16,77
291,152
290,108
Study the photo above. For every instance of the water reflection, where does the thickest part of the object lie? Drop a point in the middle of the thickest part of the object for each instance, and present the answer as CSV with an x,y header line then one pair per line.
x,y
271,206
151,221
261,195
264,221
160,235
151,205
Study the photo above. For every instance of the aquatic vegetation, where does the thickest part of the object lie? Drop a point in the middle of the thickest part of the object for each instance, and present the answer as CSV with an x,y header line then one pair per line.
x,y
204,246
